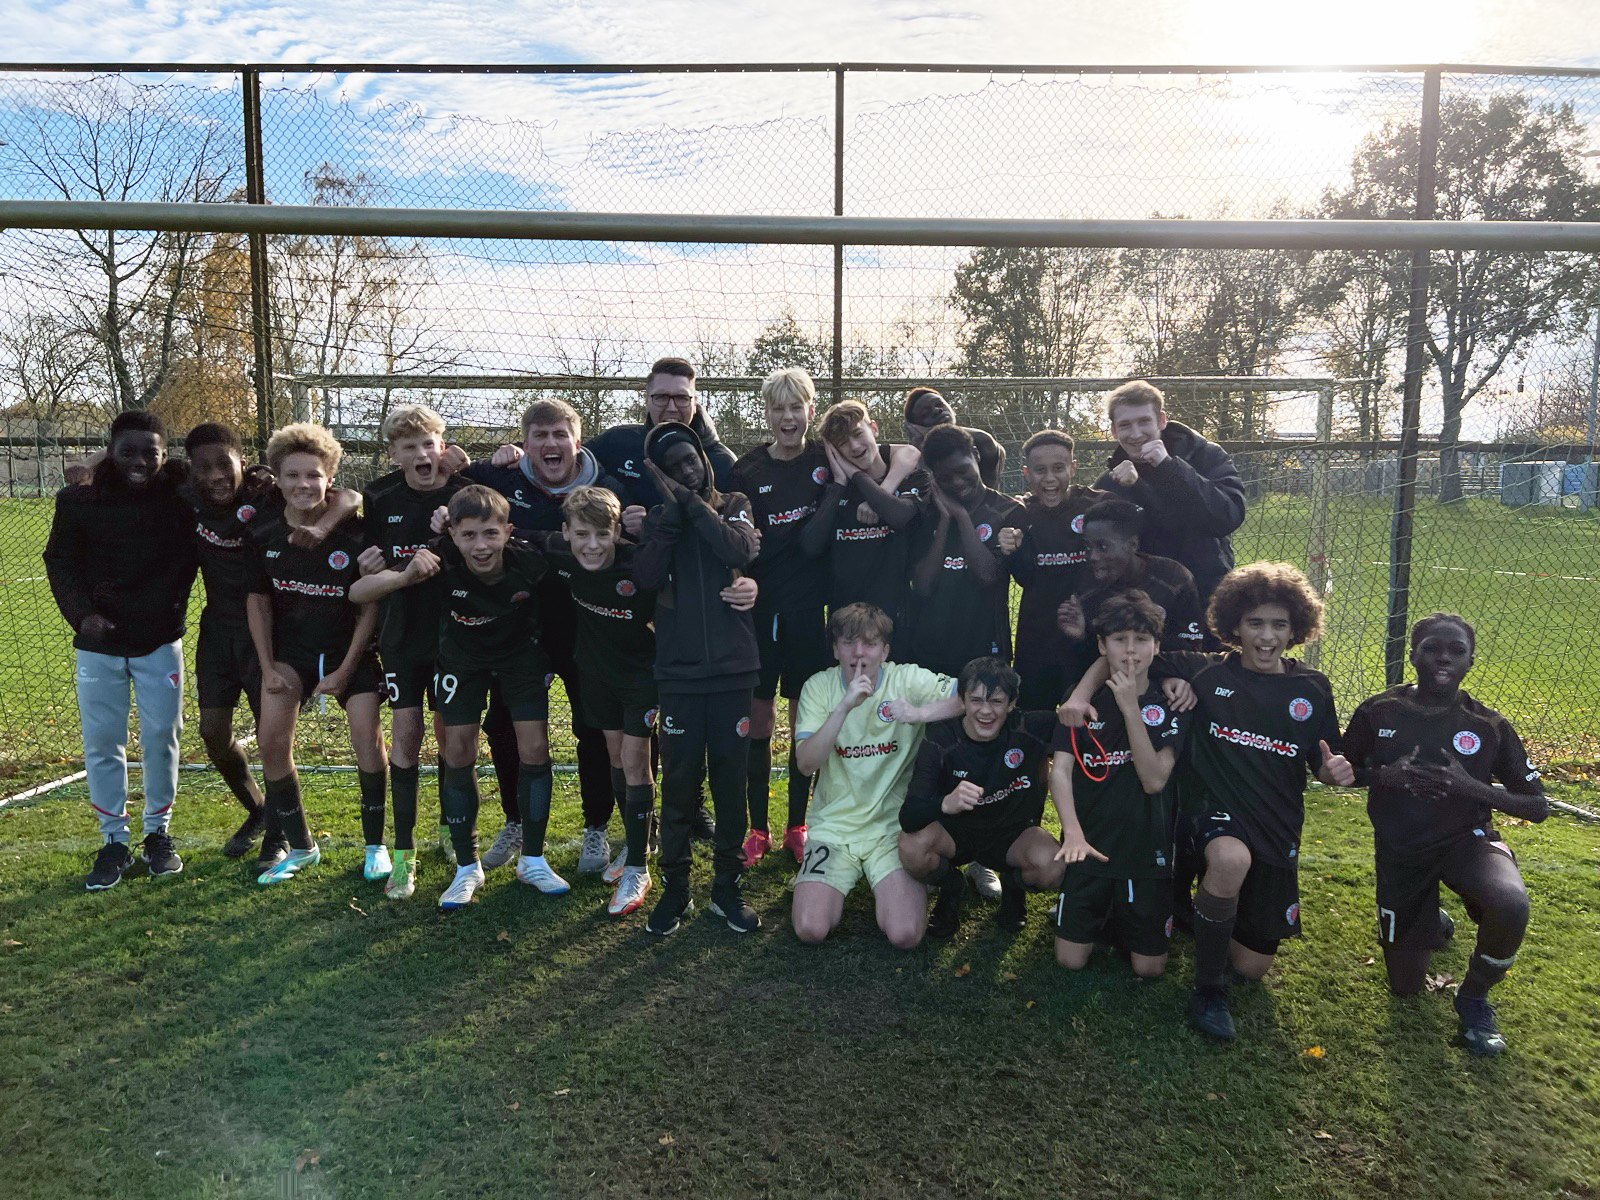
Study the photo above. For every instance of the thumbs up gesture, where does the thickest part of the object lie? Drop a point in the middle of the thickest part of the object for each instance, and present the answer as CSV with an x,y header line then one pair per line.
x,y
1336,770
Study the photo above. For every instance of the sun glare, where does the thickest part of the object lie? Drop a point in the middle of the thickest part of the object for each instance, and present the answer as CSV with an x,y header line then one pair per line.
x,y
1357,31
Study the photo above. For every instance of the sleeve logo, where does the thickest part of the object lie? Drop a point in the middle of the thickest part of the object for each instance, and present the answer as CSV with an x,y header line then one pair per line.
x,y
625,587
884,713
1153,714
338,560
1077,523
985,532
1300,708
820,475
245,512
1466,742
1014,757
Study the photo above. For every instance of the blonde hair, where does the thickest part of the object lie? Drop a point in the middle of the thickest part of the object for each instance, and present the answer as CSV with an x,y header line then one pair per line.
x,y
304,437
412,420
552,412
789,383
596,507
840,421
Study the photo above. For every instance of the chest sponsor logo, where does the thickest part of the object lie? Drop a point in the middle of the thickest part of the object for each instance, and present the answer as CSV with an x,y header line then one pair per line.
x,y
862,533
1020,784
273,553
338,560
870,750
616,614
217,540
959,774
1096,724
397,518
1254,741
985,532
955,562
820,475
1070,558
1014,757
885,713
1153,714
1224,692
626,587
792,515
1467,742
460,593
1300,708
245,512
764,489
1386,733
1077,523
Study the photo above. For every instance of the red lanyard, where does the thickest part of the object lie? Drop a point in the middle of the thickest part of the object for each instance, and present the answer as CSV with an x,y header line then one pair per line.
x,y
1104,761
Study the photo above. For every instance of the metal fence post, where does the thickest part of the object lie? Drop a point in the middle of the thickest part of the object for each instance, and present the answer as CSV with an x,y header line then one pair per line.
x,y
838,248
1405,493
260,298
1317,547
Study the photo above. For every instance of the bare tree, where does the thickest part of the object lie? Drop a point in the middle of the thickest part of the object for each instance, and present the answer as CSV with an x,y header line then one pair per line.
x,y
50,367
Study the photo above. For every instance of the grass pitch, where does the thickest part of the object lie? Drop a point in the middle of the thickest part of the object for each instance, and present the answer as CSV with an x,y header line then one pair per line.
x,y
205,1037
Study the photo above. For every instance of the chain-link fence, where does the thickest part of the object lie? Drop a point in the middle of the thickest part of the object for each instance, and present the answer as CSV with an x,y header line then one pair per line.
x,y
204,326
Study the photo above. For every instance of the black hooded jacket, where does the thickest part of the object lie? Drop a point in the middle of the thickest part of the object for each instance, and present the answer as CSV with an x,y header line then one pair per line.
x,y
620,450
689,549
1193,501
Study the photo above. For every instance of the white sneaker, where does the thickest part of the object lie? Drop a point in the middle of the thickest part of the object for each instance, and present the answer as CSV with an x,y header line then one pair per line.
x,y
446,846
535,872
378,865
613,871
631,891
506,846
985,880
290,864
596,851
459,894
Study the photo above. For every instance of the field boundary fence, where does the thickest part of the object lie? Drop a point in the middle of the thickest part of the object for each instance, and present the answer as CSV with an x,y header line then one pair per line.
x,y
328,240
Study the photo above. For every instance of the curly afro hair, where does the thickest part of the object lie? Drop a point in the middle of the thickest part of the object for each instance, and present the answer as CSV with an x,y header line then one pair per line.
x,y
1245,588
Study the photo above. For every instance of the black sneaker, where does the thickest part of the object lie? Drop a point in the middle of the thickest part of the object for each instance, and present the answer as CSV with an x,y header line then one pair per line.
x,y
158,853
946,916
703,827
1208,1012
1447,929
727,902
110,864
1013,914
668,914
1480,1033
245,836
274,849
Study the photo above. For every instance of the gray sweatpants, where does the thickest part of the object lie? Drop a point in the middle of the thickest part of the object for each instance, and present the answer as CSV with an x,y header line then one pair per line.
x,y
156,680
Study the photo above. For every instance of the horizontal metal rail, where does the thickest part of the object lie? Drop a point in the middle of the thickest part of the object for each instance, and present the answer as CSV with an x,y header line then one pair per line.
x,y
862,383
1580,236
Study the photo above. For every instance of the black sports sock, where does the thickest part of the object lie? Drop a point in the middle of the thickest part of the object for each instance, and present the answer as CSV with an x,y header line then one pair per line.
x,y
1483,973
403,791
759,771
234,768
637,811
799,792
458,800
1213,930
619,792
1011,880
946,876
534,784
283,799
373,801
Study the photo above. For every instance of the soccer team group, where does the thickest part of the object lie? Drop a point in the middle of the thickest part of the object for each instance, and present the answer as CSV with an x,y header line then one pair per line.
x,y
678,593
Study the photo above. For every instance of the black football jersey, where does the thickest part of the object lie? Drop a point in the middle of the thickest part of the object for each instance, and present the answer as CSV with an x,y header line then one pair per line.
x,y
1392,724
227,559
961,619
615,637
783,496
482,624
1255,738
1051,565
1013,770
1167,582
1119,818
311,611
871,563
399,522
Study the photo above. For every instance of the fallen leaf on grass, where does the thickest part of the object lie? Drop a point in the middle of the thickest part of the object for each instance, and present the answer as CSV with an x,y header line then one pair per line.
x,y
1322,1135
1368,961
666,1139
383,1056
561,1091
1212,1096
963,969
1008,977
307,1158
1029,1004
502,936
113,1060
1313,1052
357,907
515,1106
11,942
1437,983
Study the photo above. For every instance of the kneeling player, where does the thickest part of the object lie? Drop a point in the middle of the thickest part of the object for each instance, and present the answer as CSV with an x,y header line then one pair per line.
x,y
1426,752
977,795
312,638
1110,789
853,734
488,634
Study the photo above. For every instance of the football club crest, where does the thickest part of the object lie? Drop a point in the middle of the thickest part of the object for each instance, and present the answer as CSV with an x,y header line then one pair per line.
x,y
820,475
1169,926
245,513
985,531
1466,742
650,717
743,727
884,714
1153,714
174,679
1292,913
1014,757
626,587
1077,523
1300,708
338,560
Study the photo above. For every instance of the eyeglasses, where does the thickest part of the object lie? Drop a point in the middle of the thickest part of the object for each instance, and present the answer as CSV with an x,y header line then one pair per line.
x,y
668,397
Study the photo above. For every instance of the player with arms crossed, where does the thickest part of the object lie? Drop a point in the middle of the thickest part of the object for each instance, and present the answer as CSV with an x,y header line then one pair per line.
x,y
977,795
398,508
1426,752
1109,784
312,640
856,735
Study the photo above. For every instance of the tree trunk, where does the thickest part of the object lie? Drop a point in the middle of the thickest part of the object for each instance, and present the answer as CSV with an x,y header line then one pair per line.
x,y
1449,455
